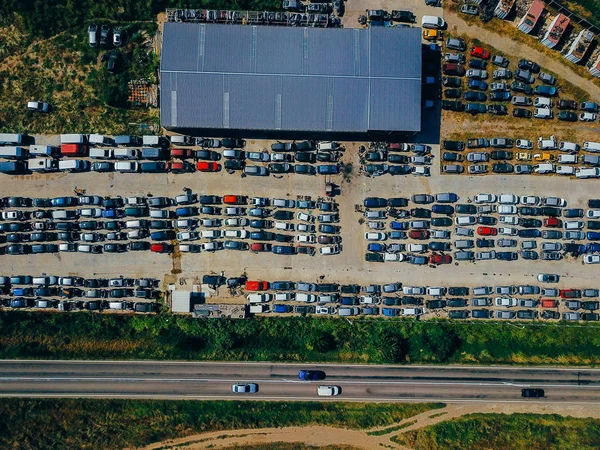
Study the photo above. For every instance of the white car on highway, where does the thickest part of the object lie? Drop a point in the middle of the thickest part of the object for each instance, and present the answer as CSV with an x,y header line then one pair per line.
x,y
328,391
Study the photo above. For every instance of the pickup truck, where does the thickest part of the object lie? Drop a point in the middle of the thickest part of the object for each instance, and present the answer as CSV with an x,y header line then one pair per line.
x,y
478,143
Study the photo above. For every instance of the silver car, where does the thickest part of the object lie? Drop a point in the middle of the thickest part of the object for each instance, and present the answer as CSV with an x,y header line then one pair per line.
x,y
248,388
477,169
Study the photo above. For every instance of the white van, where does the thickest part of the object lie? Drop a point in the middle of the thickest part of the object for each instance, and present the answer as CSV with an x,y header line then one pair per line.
x,y
182,140
13,153
327,146
98,139
74,165
547,144
592,146
545,168
151,141
565,170
126,153
101,153
72,139
10,138
588,173
284,297
432,22
259,298
116,305
124,167
508,199
567,159
285,226
42,150
436,291
135,224
257,309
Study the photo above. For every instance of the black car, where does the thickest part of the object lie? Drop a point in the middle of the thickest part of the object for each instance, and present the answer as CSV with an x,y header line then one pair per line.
x,y
452,82
262,235
503,168
499,110
328,287
525,64
457,291
551,211
501,154
567,104
397,159
530,233
139,246
305,157
466,209
532,393
234,164
350,289
280,168
399,170
530,223
441,222
507,256
305,169
519,86
436,304
443,209
522,113
373,257
594,203
487,220
420,213
567,116
485,243
452,93
439,246
455,146
453,105
552,234
475,96
530,211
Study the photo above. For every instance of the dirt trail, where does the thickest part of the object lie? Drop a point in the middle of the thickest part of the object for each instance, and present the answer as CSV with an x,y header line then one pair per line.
x,y
323,435
512,47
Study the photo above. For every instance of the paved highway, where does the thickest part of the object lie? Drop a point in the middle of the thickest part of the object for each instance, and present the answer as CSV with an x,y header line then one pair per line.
x,y
159,379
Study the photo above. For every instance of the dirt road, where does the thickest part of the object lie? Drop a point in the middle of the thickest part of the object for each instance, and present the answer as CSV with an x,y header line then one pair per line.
x,y
322,435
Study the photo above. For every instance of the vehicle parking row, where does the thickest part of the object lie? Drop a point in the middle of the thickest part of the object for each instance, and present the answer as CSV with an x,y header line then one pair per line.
x,y
384,158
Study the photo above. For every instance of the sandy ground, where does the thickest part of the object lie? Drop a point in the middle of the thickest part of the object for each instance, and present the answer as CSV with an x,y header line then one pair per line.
x,y
323,435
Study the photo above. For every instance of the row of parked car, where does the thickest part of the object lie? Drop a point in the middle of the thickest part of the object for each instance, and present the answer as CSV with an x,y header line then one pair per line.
x,y
486,215
502,150
159,217
394,163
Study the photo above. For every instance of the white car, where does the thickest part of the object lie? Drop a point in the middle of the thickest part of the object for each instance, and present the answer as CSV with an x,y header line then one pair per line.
x,y
325,310
482,256
507,209
465,220
417,248
285,226
531,200
307,238
593,213
234,211
305,217
236,234
12,215
506,301
187,235
90,212
506,231
375,236
508,199
542,102
421,171
509,220
485,198
368,300
329,250
573,225
236,222
328,391
565,170
413,311
305,228
524,144
305,298
282,202
210,234
591,259
587,117
395,257
543,113
413,290
570,147
547,144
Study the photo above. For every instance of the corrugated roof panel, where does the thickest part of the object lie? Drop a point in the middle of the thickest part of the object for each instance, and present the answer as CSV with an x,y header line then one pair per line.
x,y
395,102
180,36
395,52
349,109
227,48
331,52
303,103
258,99
275,55
199,103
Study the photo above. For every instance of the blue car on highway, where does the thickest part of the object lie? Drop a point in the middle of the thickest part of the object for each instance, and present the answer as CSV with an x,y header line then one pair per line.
x,y
311,375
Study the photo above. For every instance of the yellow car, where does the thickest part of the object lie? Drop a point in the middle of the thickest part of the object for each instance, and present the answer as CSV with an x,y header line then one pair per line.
x,y
543,157
524,156
432,35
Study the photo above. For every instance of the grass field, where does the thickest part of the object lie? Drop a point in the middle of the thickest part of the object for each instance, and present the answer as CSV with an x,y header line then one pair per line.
x,y
113,424
306,339
501,431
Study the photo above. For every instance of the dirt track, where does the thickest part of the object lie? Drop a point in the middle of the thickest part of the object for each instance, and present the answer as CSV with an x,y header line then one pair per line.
x,y
323,435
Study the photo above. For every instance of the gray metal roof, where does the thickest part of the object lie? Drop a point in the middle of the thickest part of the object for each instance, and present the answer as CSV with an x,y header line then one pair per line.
x,y
286,78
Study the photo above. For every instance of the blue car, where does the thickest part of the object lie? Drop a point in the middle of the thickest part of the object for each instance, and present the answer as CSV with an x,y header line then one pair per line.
x,y
186,212
593,236
398,225
376,247
328,169
390,312
283,285
283,250
397,235
311,375
282,308
64,201
545,90
109,214
592,248
478,85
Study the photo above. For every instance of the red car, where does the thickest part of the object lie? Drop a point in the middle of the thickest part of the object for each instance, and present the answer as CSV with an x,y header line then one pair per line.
x,y
258,247
547,303
419,234
570,293
204,166
234,199
552,222
480,52
440,259
257,285
160,248
180,167
487,231
181,153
